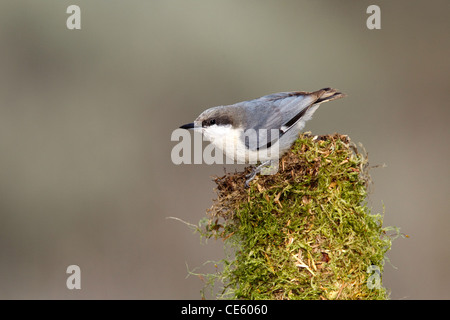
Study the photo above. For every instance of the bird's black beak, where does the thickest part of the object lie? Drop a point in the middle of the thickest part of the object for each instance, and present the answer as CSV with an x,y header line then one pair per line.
x,y
188,126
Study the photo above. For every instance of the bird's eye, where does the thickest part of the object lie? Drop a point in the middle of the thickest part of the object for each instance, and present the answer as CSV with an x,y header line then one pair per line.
x,y
208,122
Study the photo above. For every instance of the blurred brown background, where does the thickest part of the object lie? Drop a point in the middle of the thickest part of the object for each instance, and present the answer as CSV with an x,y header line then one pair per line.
x,y
86,116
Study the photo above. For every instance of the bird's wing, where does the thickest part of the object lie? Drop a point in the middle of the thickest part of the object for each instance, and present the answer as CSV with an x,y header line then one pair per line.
x,y
282,111
277,113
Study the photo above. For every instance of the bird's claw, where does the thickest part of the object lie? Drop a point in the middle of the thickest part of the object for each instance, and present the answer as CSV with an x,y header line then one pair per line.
x,y
250,177
255,171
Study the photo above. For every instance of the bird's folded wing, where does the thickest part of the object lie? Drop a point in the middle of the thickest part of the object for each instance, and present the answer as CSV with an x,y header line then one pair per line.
x,y
272,116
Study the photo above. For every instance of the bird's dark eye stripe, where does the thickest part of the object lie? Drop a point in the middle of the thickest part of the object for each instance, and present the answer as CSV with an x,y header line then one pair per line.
x,y
217,121
209,122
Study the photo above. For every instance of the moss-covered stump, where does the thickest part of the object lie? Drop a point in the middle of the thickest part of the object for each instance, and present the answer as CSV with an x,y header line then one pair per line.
x,y
305,232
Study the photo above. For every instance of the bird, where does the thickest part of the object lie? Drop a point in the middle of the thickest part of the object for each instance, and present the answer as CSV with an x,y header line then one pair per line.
x,y
263,129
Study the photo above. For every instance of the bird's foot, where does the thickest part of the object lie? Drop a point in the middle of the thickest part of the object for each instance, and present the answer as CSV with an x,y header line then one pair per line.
x,y
257,170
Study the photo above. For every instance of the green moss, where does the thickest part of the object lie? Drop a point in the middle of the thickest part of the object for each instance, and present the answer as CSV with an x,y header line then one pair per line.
x,y
303,233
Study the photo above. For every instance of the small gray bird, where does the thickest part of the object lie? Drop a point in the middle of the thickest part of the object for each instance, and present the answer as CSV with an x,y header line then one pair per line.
x,y
262,129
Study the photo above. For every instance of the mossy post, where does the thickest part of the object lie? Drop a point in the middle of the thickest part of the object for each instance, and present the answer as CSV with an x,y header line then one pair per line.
x,y
303,233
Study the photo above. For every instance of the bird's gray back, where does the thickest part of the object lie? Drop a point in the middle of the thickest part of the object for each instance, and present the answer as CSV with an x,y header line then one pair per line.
x,y
274,110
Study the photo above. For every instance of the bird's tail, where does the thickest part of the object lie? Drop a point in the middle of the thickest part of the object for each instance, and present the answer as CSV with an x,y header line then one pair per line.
x,y
327,94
